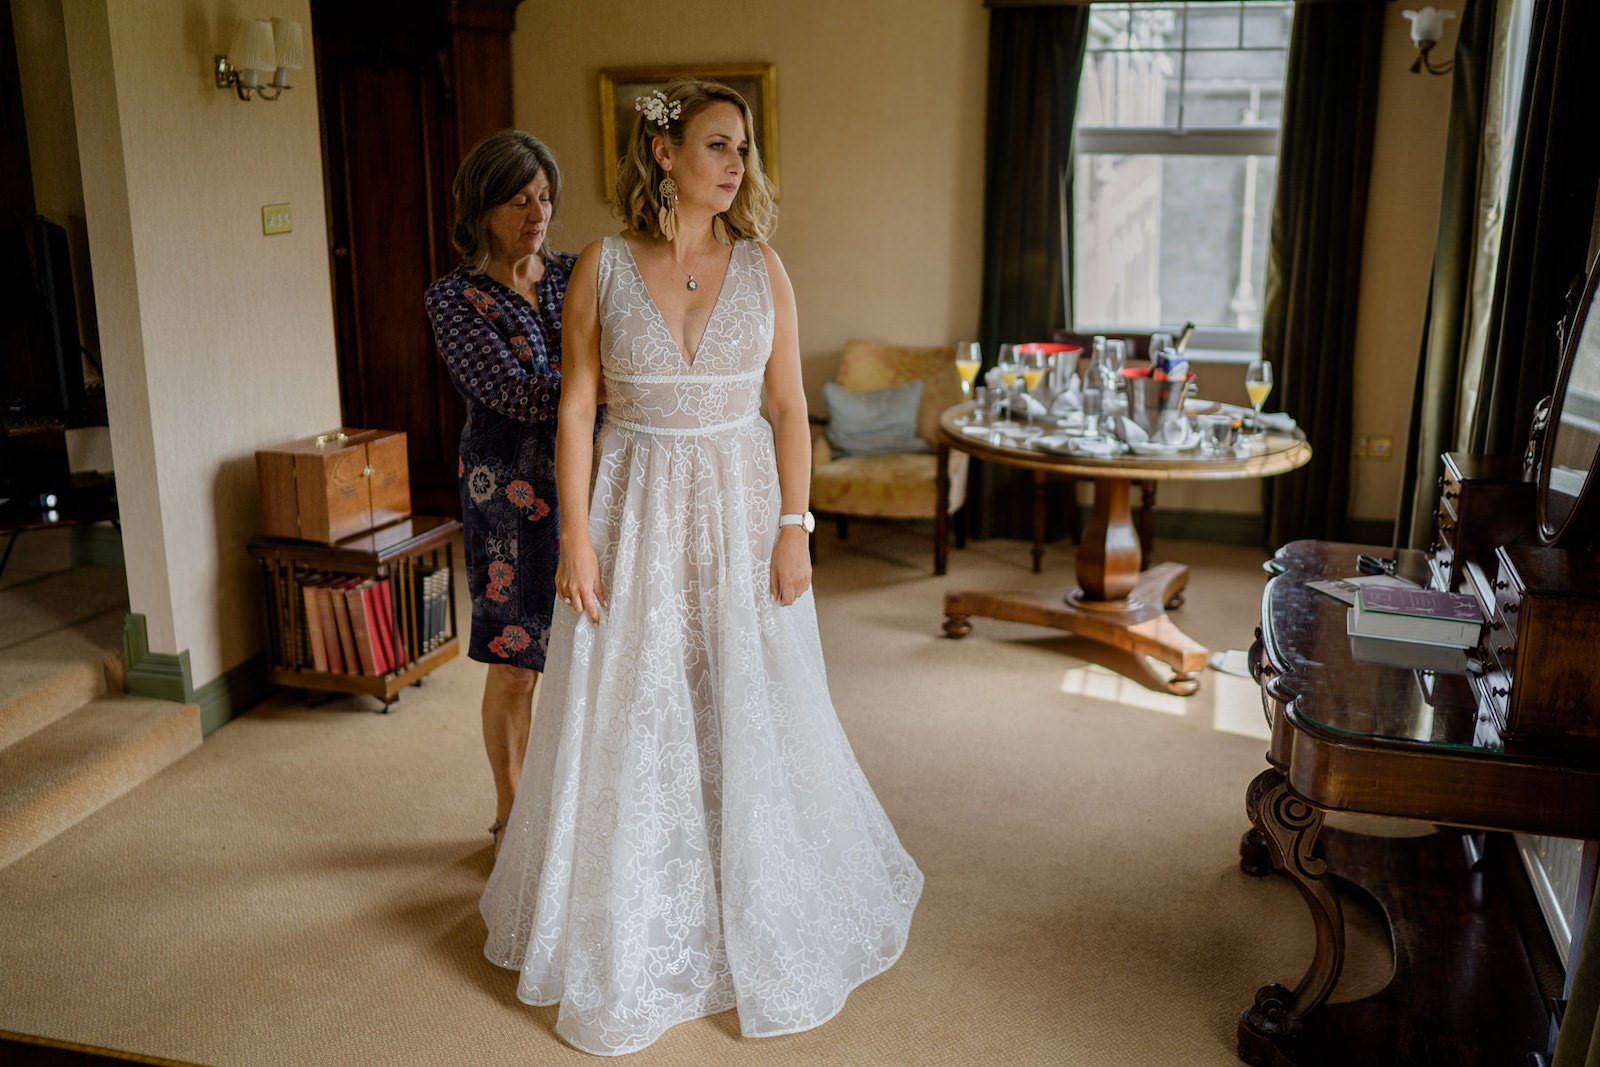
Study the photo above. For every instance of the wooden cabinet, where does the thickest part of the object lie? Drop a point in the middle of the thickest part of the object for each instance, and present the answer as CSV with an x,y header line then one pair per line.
x,y
1484,501
1543,611
405,89
412,560
334,485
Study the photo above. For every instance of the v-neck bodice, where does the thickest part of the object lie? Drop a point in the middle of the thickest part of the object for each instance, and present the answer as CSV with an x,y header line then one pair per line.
x,y
651,382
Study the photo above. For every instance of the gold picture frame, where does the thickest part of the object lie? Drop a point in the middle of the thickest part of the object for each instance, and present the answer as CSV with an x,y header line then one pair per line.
x,y
756,82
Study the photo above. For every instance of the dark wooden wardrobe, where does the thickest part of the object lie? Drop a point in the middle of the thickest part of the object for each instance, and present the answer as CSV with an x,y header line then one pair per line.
x,y
405,88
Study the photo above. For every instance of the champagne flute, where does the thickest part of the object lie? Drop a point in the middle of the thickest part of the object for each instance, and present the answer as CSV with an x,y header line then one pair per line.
x,y
969,357
1010,369
1033,367
1258,383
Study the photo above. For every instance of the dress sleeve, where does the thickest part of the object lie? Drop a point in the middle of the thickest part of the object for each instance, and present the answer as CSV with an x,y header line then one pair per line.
x,y
516,377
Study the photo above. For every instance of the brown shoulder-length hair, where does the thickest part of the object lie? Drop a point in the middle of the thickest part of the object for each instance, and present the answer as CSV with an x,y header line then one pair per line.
x,y
498,168
754,213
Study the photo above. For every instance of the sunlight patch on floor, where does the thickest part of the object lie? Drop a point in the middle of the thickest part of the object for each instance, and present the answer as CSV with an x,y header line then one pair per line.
x,y
1101,683
1235,705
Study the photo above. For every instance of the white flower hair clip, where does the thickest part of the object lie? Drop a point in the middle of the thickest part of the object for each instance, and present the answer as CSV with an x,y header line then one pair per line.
x,y
657,108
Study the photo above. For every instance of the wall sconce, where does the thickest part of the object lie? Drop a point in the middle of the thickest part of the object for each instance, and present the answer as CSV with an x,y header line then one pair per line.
x,y
259,48
1427,26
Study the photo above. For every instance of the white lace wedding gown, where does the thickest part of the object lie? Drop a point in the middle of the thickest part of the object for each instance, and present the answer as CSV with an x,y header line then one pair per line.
x,y
692,832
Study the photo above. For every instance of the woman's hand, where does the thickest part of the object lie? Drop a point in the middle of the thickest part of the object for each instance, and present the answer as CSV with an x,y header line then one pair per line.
x,y
791,565
578,578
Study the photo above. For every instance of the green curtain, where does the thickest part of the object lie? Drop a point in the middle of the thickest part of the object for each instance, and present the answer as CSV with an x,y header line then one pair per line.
x,y
1578,1044
1545,238
1035,57
1314,258
1436,398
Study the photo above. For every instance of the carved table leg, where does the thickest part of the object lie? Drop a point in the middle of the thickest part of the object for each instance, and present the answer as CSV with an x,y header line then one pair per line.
x,y
1255,859
957,625
1289,828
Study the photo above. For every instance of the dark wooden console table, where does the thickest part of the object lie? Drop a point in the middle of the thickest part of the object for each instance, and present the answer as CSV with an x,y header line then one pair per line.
x,y
1359,737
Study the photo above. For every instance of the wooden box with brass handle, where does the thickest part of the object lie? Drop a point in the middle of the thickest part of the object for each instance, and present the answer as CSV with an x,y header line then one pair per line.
x,y
333,485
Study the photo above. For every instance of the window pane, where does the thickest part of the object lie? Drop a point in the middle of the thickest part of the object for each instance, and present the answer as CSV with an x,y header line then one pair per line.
x,y
1129,89
1213,26
1267,25
1233,88
1164,239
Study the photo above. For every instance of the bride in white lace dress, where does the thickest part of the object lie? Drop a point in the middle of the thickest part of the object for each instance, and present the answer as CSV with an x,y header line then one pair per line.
x,y
693,833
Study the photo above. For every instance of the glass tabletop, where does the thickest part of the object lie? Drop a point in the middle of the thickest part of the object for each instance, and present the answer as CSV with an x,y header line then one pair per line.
x,y
1335,690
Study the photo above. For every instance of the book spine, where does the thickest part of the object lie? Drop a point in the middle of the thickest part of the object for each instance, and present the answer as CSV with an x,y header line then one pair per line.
x,y
385,600
374,615
360,631
319,649
341,615
334,652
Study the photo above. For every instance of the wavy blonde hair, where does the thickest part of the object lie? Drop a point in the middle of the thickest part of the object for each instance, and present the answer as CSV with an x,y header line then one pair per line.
x,y
754,213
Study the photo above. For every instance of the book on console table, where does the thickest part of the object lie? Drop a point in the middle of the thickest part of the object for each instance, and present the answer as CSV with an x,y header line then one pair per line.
x,y
1429,616
1410,655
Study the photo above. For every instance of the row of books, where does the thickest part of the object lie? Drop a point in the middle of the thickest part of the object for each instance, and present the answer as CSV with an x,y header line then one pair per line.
x,y
347,623
1422,629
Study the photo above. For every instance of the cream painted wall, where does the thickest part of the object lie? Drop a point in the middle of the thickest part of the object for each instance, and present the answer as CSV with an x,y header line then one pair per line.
x,y
1402,220
216,340
880,127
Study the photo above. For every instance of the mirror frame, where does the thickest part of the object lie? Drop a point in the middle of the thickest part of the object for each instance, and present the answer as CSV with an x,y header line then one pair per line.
x,y
1588,498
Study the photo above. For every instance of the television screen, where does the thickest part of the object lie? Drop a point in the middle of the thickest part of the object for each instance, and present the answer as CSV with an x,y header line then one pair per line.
x,y
41,370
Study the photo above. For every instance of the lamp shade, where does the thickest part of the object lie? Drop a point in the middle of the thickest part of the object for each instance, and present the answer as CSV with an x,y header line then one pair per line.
x,y
290,39
252,46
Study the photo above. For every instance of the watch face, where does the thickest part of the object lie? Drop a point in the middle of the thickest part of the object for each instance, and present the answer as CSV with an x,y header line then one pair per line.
x,y
809,522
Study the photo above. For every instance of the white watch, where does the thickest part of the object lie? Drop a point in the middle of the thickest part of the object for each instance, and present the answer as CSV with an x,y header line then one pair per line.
x,y
808,521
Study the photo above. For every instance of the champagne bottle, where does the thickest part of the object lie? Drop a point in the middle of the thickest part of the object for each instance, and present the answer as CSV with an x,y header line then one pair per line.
x,y
1183,337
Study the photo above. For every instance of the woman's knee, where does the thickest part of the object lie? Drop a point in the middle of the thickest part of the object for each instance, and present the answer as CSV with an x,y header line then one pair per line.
x,y
512,679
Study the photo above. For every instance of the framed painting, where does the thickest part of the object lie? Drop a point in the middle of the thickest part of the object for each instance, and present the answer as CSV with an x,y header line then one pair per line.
x,y
619,86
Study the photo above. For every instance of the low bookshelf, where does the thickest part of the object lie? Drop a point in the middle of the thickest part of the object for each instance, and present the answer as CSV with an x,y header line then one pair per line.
x,y
398,577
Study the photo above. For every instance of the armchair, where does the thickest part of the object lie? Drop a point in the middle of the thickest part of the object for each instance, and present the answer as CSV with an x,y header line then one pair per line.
x,y
897,485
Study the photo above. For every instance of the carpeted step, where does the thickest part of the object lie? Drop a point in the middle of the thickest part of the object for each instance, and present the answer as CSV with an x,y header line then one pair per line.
x,y
45,603
71,768
51,676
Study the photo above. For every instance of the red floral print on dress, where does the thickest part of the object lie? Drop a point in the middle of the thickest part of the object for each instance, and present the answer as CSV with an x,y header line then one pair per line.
x,y
539,510
520,493
522,349
514,638
483,302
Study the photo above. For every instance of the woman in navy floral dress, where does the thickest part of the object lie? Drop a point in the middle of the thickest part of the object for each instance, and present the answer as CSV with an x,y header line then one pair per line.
x,y
497,323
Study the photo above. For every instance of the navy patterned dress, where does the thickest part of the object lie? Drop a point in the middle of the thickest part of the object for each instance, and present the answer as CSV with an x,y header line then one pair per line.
x,y
504,356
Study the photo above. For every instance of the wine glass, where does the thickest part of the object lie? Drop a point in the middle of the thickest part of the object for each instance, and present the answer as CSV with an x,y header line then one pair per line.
x,y
969,357
1258,383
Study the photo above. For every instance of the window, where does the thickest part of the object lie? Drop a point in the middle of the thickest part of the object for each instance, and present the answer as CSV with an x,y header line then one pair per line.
x,y
1177,140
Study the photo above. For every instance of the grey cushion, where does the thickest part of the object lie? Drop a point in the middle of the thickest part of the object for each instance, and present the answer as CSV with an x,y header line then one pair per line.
x,y
876,423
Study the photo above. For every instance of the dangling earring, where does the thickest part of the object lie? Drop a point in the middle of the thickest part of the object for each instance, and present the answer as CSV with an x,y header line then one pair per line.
x,y
668,213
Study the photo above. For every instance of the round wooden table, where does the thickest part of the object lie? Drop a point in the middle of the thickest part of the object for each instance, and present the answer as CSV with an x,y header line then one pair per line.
x,y
1115,601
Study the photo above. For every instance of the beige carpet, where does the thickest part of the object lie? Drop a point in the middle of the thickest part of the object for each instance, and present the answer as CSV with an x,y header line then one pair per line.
x,y
303,889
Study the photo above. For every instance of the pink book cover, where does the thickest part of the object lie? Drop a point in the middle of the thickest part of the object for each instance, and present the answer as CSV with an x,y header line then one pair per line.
x,y
380,655
1423,603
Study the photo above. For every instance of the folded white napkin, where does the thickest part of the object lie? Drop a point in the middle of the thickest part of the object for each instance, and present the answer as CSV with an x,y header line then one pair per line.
x,y
1278,421
1094,446
1069,399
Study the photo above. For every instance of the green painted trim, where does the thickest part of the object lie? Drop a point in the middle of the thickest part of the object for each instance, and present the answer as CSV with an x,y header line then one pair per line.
x,y
232,693
97,545
165,676
1221,527
159,675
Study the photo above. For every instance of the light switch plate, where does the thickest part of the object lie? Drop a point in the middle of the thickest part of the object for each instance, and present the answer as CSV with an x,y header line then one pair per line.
x,y
276,218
